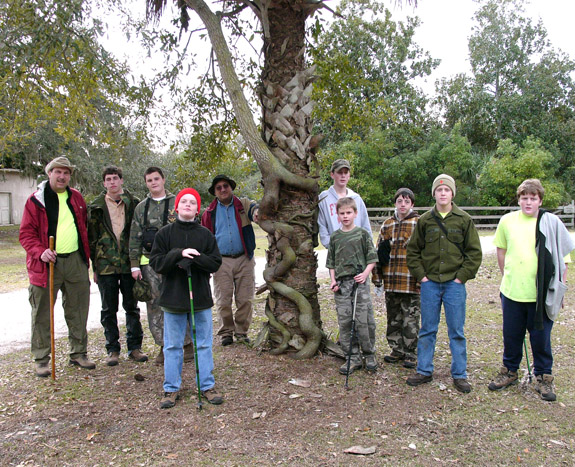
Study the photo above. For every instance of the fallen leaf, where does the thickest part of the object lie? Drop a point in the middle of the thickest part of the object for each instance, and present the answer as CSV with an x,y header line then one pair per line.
x,y
300,382
256,415
442,387
91,435
295,396
361,450
412,446
172,456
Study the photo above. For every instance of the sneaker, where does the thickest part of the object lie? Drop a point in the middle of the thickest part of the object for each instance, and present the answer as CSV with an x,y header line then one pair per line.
x,y
503,379
159,360
42,369
462,385
545,387
213,396
227,340
83,362
138,356
113,358
370,362
355,364
418,378
393,358
169,400
189,353
242,339
409,362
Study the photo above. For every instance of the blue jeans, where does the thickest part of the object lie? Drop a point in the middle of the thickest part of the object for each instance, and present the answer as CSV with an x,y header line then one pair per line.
x,y
517,318
175,326
453,296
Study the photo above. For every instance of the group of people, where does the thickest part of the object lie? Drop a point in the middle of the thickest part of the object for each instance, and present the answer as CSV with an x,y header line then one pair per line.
x,y
131,250
424,262
166,244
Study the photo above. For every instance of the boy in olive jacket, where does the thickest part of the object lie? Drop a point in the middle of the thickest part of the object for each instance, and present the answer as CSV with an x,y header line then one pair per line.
x,y
443,253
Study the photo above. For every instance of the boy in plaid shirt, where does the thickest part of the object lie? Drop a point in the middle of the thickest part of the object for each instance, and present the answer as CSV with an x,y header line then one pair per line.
x,y
401,288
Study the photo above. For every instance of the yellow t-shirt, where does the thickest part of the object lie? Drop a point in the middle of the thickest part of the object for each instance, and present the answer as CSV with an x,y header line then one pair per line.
x,y
66,233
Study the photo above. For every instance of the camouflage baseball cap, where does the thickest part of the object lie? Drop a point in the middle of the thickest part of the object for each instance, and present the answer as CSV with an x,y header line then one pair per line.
x,y
142,291
340,164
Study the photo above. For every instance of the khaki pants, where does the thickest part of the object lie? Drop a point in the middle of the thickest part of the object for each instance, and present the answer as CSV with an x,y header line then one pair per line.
x,y
236,277
71,277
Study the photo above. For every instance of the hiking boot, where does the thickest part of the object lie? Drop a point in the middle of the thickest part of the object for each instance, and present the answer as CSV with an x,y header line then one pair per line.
x,y
370,362
42,369
83,362
393,358
355,364
418,378
227,340
213,396
138,356
462,385
113,358
188,353
503,379
545,387
169,400
409,362
159,360
242,339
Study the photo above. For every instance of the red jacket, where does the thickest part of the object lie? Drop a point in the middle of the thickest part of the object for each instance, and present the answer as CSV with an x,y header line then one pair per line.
x,y
34,232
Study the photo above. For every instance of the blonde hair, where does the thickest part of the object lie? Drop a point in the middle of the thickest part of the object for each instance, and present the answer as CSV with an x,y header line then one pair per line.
x,y
346,202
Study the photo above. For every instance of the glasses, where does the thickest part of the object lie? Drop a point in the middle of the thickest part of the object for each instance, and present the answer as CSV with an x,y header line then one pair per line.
x,y
223,186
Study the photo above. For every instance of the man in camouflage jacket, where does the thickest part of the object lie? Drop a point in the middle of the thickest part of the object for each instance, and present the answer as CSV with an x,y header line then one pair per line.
x,y
110,217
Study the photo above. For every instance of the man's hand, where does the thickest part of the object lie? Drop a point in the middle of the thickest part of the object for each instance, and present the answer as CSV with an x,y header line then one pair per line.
x,y
137,275
190,253
425,279
457,281
334,286
48,256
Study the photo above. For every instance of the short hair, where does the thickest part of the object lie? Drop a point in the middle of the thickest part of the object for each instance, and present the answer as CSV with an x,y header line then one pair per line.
x,y
112,170
346,202
406,193
531,186
151,170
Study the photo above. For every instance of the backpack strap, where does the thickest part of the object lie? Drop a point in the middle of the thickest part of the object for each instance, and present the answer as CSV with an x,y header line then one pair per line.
x,y
442,227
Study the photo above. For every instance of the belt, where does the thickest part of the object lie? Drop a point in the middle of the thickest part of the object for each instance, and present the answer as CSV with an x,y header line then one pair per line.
x,y
65,255
238,255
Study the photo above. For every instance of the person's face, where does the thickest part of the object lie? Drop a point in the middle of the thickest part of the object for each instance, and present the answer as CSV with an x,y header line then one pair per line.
x,y
403,205
223,192
155,183
346,216
443,196
59,179
530,204
113,184
188,207
341,177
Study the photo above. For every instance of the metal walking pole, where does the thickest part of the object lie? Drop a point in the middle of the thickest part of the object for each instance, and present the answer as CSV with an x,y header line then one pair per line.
x,y
527,358
194,344
352,334
52,331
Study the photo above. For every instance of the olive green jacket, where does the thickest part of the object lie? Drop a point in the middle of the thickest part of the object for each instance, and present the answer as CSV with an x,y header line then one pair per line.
x,y
432,254
108,256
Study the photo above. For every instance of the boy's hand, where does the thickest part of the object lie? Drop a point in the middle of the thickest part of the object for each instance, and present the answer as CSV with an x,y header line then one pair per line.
x,y
361,277
334,286
190,253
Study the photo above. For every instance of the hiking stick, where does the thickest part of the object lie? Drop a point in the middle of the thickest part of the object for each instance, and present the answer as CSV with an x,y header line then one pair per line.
x,y
194,343
527,358
52,331
352,334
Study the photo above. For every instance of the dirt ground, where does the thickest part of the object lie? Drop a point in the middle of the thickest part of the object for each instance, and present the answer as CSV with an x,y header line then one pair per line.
x,y
111,416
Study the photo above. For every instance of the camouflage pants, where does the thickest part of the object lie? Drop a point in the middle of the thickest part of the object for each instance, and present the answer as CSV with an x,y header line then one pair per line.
x,y
154,311
403,315
364,320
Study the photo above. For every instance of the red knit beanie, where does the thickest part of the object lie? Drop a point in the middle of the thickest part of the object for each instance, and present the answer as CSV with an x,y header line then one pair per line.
x,y
188,191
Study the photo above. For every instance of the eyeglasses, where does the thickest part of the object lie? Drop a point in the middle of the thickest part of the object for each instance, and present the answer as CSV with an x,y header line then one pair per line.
x,y
223,186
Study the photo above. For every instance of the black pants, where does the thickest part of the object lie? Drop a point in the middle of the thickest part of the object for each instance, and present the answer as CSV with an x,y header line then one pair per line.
x,y
110,287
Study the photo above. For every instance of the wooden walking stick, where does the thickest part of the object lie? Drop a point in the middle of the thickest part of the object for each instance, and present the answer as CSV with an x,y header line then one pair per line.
x,y
52,331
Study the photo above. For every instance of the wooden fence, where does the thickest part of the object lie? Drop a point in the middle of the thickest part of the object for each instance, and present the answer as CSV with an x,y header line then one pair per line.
x,y
485,217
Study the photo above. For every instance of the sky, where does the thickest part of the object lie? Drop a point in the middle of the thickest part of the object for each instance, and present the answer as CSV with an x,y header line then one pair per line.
x,y
446,27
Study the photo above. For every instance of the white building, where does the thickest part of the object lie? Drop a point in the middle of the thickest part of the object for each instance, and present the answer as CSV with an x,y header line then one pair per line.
x,y
14,191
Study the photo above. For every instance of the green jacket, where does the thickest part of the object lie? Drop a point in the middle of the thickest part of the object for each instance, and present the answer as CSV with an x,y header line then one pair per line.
x,y
431,254
109,257
155,219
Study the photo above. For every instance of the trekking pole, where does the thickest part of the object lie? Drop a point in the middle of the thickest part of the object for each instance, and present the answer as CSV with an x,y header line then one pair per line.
x,y
194,344
527,358
52,330
352,334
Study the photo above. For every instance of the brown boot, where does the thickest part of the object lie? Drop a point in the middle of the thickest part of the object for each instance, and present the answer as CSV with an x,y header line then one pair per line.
x,y
138,356
544,386
188,353
42,369
83,362
159,360
503,379
113,358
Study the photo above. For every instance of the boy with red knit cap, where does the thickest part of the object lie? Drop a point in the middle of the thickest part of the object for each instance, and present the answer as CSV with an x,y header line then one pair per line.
x,y
181,248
